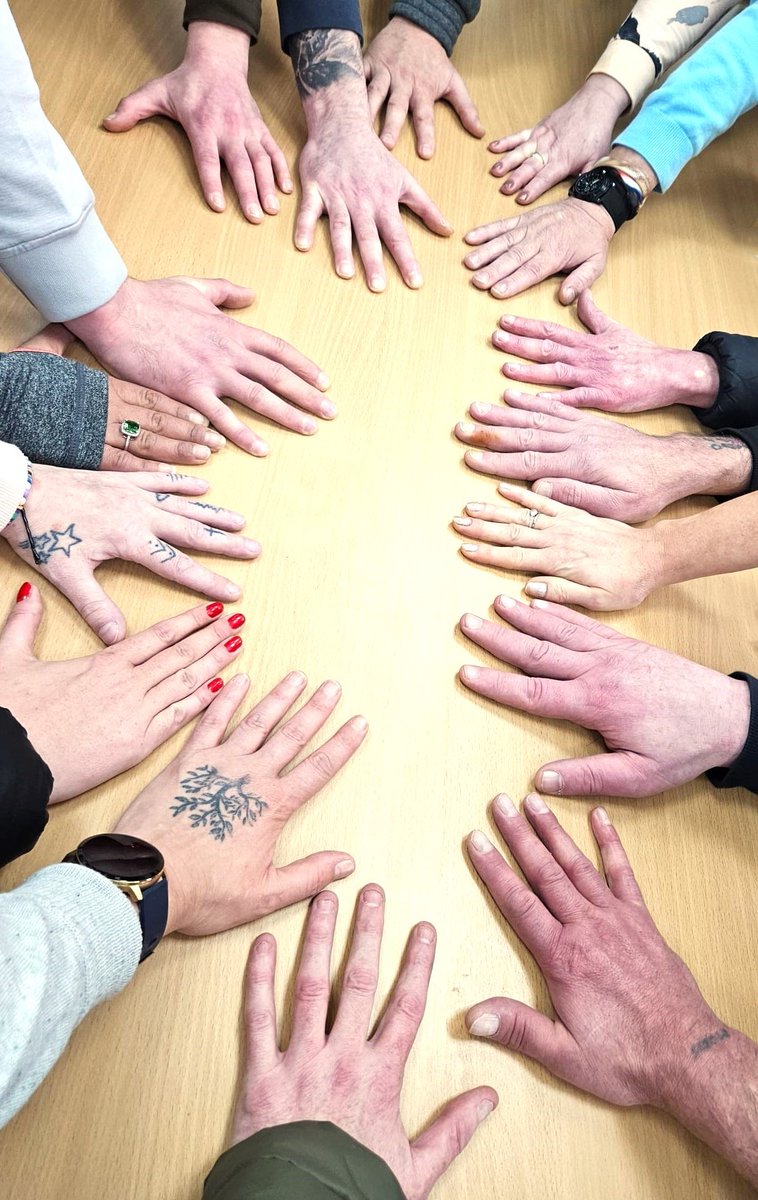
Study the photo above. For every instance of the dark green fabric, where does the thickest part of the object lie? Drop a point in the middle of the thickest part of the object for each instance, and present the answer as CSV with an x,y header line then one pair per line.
x,y
53,409
306,1160
444,19
240,14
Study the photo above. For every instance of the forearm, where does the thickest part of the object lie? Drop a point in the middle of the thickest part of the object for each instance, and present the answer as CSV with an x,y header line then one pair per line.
x,y
55,410
329,74
443,19
716,542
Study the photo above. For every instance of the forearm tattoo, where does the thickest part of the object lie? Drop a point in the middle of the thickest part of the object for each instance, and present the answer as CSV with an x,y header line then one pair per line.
x,y
213,802
726,443
51,542
321,57
705,1043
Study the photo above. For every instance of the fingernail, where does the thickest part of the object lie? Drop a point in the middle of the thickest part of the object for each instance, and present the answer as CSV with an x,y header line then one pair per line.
x,y
24,592
415,279
271,204
110,633
466,428
500,338
343,868
602,816
233,644
216,440
216,200
486,1025
507,319
323,380
481,842
286,186
425,933
233,592
523,197
543,488
372,898
328,409
215,609
470,548
237,621
469,674
109,117
308,425
505,806
295,679
474,456
345,270
359,724
201,453
536,804
536,589
215,685
301,243
474,508
196,419
484,1109
552,783
506,601
470,621
461,520
570,295
325,901
254,213
331,689
376,283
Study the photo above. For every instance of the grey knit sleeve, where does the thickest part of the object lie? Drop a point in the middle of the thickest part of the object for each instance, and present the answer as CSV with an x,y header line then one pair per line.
x,y
444,19
54,409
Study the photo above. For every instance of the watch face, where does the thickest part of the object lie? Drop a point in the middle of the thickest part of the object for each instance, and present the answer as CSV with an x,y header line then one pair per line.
x,y
593,185
120,857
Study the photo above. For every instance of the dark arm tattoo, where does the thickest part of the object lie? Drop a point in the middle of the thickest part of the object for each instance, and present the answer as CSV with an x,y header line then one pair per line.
x,y
213,802
726,443
52,541
321,57
712,1039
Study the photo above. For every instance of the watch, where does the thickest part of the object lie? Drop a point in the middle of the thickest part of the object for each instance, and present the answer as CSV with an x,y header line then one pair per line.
x,y
137,869
605,186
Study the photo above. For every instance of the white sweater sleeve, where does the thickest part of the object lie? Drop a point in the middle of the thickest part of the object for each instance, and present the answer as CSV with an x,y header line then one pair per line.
x,y
14,467
52,245
68,940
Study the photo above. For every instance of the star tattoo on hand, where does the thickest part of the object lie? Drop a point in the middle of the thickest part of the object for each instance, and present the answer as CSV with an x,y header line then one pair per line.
x,y
52,541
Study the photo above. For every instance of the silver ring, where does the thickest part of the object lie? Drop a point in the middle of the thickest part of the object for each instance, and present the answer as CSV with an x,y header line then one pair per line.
x,y
129,431
532,515
543,159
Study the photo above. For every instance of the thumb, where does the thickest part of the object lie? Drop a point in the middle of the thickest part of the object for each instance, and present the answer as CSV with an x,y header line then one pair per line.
x,y
147,101
564,591
450,1133
21,625
308,876
582,277
519,1027
53,339
90,601
620,773
590,315
221,292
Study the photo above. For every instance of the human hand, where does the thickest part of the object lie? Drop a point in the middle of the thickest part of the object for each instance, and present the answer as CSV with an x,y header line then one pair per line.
x,y
168,334
208,95
345,1077
609,368
217,810
92,718
80,519
569,236
629,1014
566,142
664,720
581,559
408,67
170,432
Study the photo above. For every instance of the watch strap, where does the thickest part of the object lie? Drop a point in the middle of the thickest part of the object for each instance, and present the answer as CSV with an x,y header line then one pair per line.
x,y
620,200
153,915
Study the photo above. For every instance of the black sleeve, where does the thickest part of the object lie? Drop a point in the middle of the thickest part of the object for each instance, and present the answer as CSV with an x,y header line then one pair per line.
x,y
744,770
239,14
444,19
736,356
54,409
295,16
25,787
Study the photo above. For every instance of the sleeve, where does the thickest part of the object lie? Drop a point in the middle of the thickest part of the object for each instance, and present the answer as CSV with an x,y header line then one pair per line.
x,y
310,1160
68,940
744,770
14,468
240,14
52,245
653,37
736,356
700,100
297,15
444,19
54,409
25,787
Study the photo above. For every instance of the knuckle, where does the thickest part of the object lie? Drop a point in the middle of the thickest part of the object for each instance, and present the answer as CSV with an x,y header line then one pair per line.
x,y
188,679
322,763
310,990
525,438
539,652
548,875
530,463
535,691
164,633
514,533
514,1030
360,979
295,733
548,348
410,1006
258,1021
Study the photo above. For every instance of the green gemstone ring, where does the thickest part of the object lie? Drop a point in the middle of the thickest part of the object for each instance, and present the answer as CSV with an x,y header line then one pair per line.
x,y
130,430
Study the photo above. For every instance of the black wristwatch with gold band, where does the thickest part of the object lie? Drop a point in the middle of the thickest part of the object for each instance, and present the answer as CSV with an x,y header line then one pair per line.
x,y
607,187
137,869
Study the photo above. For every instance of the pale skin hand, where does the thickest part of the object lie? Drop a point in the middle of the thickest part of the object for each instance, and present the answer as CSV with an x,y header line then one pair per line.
x,y
566,142
216,811
349,1077
346,172
664,720
80,519
570,236
610,368
208,96
631,1025
69,709
601,466
168,334
409,69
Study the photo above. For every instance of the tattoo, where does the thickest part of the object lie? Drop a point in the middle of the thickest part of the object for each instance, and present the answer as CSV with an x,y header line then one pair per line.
x,y
46,544
172,475
162,548
705,1043
695,14
201,504
161,496
214,802
629,32
213,532
726,443
321,57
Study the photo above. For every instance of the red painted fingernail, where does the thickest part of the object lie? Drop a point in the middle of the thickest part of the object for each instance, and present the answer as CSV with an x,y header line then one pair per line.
x,y
215,609
237,621
24,592
215,685
233,644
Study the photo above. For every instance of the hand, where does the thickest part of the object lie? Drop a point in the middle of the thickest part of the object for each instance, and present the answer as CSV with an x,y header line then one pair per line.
x,y
585,560
609,368
217,810
408,67
171,433
566,142
571,235
664,719
628,1012
209,97
80,519
345,1077
168,334
92,718
601,466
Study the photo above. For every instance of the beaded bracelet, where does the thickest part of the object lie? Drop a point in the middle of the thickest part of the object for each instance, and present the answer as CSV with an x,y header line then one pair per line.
x,y
22,510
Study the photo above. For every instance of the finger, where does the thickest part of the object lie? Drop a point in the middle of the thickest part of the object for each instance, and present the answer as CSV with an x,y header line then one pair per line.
x,y
590,315
254,395
508,530
370,249
183,710
553,173
157,447
161,414
193,663
543,349
361,977
394,117
489,252
541,697
311,208
538,331
565,591
53,339
211,730
279,163
593,498
450,1133
536,656
210,514
313,979
621,773
165,560
20,628
257,725
524,912
501,558
582,278
519,1027
458,96
295,734
551,404
558,373
148,646
341,236
221,292
379,82
205,152
559,625
264,344
529,500
244,181
145,102
485,233
262,1051
515,279
264,179
577,867
191,532
122,460
422,115
398,1027
395,238
541,869
522,174
416,199
321,766
618,870
510,141
102,615
306,877
224,420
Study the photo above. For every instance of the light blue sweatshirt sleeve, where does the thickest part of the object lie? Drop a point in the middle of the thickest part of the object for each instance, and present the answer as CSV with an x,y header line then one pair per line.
x,y
68,940
700,100
52,245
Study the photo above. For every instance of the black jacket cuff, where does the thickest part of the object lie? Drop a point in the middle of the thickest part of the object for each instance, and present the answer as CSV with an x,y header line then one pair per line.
x,y
736,356
744,770
238,14
443,19
25,787
295,16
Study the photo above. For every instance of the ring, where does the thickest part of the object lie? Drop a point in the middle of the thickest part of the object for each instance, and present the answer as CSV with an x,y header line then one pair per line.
x,y
532,515
130,431
543,158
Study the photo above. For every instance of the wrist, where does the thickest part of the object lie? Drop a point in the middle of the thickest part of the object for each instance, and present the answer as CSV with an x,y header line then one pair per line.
x,y
710,464
607,94
342,107
213,45
699,379
625,156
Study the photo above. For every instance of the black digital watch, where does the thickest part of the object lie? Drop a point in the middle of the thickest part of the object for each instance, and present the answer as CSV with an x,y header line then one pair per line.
x,y
606,186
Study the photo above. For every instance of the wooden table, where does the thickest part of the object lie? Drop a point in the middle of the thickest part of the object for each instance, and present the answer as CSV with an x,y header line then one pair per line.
x,y
360,579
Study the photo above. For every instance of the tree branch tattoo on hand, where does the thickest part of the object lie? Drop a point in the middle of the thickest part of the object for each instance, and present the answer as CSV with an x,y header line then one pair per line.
x,y
321,57
52,541
213,802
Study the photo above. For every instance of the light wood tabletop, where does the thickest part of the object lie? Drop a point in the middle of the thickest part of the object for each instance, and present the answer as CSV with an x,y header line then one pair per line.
x,y
361,580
